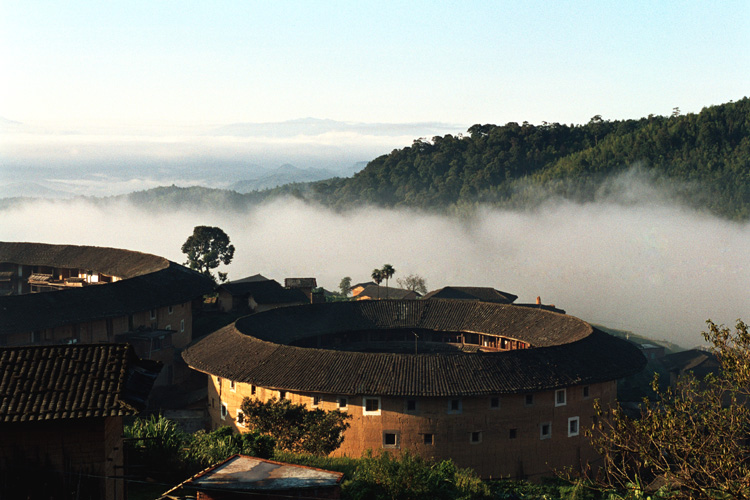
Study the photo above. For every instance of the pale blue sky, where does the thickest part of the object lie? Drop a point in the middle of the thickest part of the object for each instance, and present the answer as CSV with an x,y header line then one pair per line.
x,y
174,63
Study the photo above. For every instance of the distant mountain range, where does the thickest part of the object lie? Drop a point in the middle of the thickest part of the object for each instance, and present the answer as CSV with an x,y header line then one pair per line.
x,y
289,174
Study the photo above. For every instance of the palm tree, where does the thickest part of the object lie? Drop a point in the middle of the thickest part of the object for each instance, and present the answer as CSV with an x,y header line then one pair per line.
x,y
377,276
387,273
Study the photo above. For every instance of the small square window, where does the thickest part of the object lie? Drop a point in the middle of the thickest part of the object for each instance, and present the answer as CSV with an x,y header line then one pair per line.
x,y
586,391
170,309
560,397
455,406
428,438
475,437
545,430
152,314
529,399
253,390
282,395
512,433
495,402
573,426
315,401
232,386
411,405
223,411
371,406
343,403
390,439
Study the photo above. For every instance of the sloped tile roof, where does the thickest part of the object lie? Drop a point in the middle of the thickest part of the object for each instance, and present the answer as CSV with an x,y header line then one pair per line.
x,y
375,291
566,351
150,282
266,292
73,381
486,294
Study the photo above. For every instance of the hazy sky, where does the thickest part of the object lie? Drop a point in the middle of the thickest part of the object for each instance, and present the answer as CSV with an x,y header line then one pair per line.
x,y
179,63
123,95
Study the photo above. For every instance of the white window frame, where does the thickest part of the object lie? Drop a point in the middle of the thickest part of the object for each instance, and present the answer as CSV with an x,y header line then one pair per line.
x,y
460,409
232,386
223,411
397,434
577,431
168,327
364,406
564,398
242,424
542,435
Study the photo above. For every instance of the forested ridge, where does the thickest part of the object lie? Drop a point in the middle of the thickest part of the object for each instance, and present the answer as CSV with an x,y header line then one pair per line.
x,y
703,159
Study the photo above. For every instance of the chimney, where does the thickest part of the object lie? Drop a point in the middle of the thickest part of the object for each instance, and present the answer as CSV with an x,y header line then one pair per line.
x,y
538,300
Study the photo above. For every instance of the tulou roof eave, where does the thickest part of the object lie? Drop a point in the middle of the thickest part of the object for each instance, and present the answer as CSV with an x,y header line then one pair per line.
x,y
568,351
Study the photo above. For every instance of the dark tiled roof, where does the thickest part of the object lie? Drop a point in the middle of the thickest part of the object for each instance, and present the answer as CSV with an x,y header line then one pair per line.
x,y
300,283
376,291
150,282
566,351
266,292
72,381
485,294
253,278
696,361
112,261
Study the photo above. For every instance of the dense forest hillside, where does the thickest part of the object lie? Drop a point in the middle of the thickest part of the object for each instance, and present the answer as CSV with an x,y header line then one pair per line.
x,y
704,160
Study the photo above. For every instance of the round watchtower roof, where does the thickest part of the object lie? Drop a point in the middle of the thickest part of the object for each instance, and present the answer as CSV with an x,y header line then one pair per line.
x,y
564,351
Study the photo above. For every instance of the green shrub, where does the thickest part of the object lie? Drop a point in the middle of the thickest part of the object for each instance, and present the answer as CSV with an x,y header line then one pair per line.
x,y
410,477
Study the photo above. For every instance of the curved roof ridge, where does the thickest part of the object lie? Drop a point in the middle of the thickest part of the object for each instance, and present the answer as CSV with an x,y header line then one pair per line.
x,y
568,351
112,261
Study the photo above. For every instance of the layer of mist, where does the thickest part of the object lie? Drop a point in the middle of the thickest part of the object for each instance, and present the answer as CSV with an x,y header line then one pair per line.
x,y
654,269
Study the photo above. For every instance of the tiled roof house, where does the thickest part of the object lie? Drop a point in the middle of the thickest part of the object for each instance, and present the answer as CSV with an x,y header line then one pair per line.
x,y
61,410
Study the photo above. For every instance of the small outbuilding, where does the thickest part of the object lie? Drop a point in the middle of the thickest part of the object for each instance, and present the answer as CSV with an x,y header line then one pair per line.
x,y
61,418
257,294
241,477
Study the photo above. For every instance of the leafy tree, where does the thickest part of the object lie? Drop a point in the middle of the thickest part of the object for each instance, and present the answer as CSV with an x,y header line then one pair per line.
x,y
206,248
694,439
345,286
377,277
413,282
294,427
387,272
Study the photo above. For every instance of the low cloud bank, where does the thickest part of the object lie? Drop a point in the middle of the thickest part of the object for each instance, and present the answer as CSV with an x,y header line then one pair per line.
x,y
657,270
